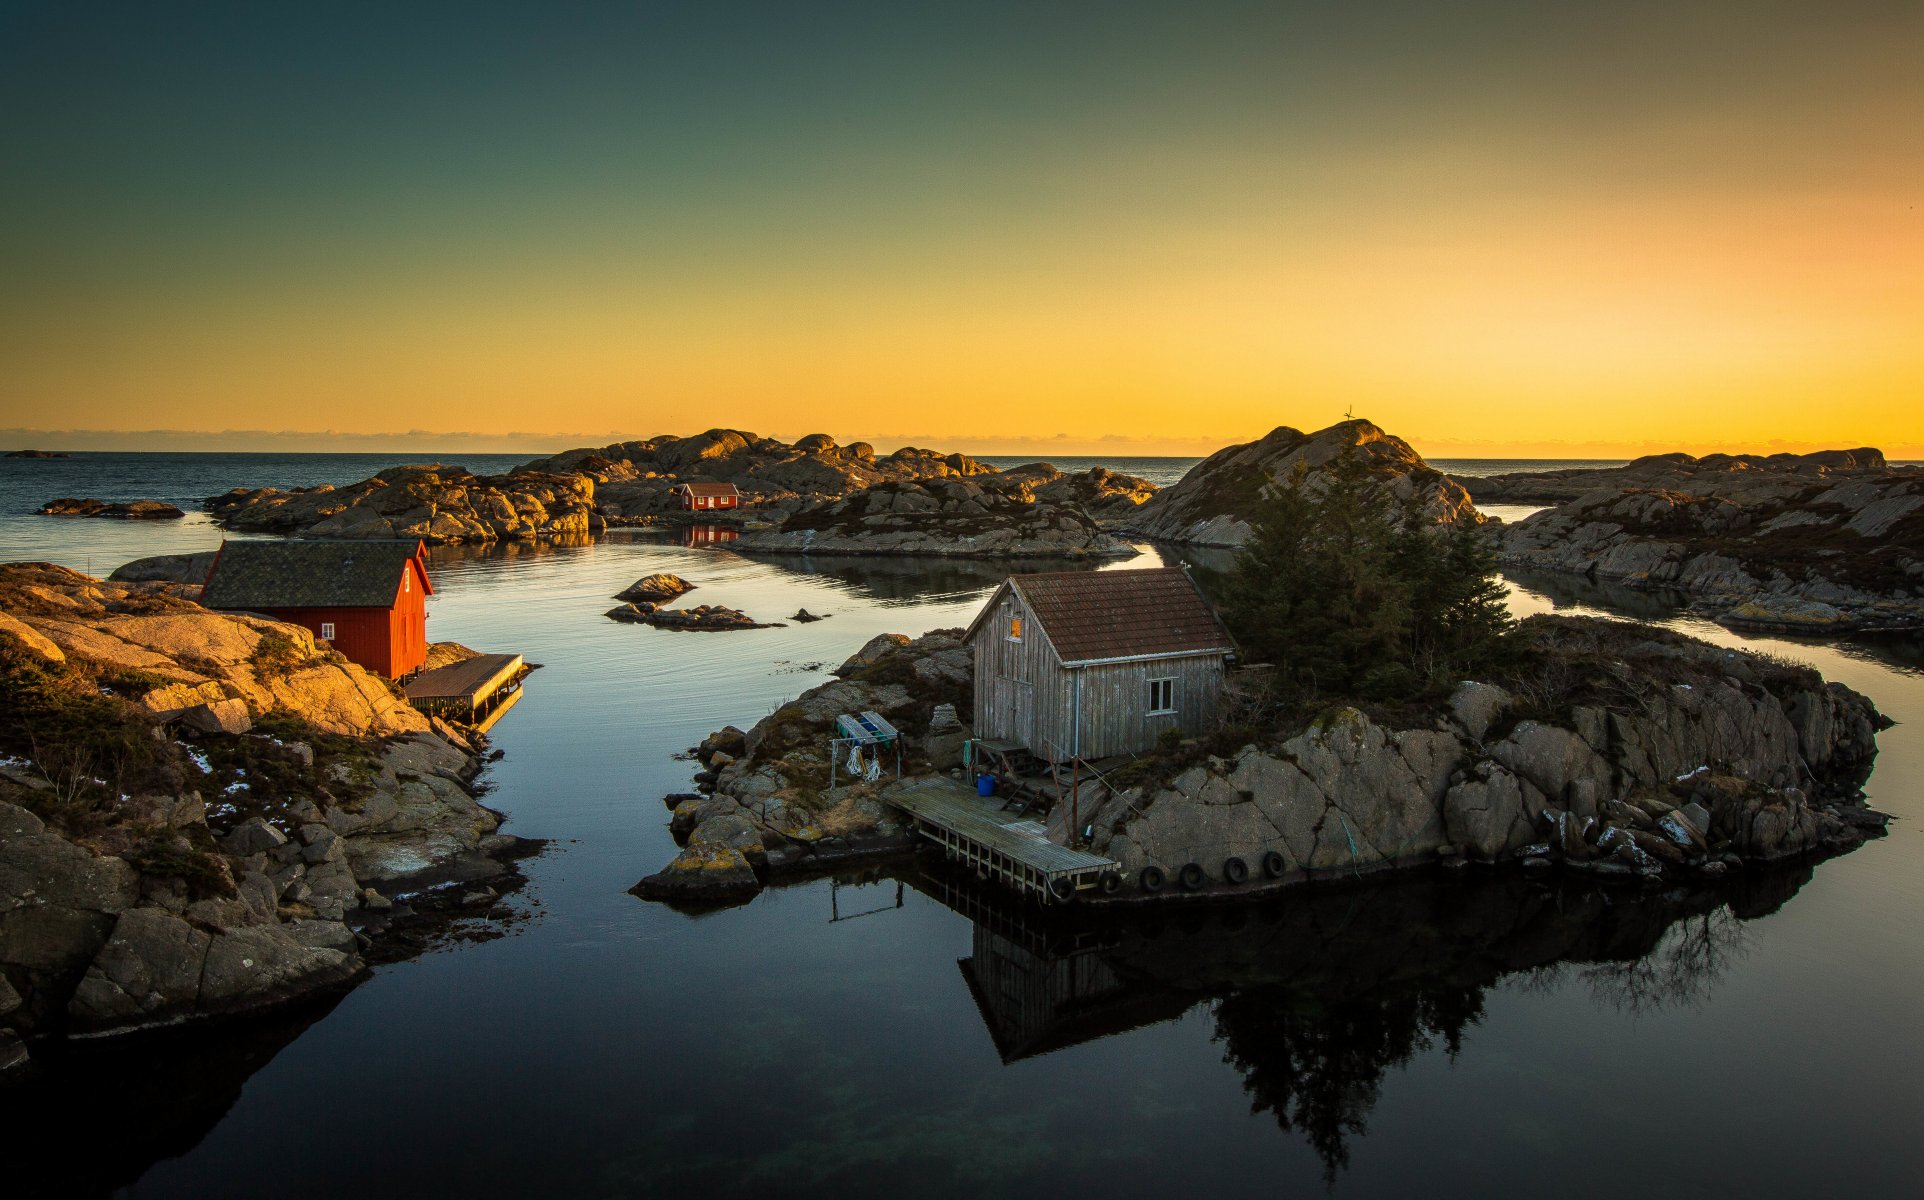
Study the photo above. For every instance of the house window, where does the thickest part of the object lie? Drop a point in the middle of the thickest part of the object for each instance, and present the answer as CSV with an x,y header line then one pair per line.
x,y
327,631
1015,628
1162,696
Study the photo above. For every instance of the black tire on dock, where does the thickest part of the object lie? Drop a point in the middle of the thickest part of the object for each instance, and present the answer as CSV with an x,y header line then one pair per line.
x,y
1061,890
1193,877
1274,864
1111,882
1235,870
1152,879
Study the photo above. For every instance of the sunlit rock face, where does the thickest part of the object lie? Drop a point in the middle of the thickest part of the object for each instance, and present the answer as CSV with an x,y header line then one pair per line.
x,y
1217,501
1818,544
1619,751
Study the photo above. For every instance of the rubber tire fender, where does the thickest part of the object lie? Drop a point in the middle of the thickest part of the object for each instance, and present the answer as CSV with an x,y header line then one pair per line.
x,y
1111,882
1061,890
1235,870
1274,864
1192,877
1152,879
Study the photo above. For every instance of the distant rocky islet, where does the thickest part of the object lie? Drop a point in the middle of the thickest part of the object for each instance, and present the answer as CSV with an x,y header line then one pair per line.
x,y
1823,543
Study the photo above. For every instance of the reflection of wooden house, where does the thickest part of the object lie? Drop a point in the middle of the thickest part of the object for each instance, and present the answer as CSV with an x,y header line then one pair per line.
x,y
706,497
1086,664
1040,988
366,599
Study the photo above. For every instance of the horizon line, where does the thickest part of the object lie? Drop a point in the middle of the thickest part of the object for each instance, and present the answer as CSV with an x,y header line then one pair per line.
x,y
541,444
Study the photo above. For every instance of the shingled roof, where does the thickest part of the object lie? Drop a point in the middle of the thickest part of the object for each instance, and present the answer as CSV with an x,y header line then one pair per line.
x,y
1090,616
711,489
308,574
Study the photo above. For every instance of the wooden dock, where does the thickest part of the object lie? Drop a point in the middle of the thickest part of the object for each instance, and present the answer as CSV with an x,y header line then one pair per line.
x,y
474,691
999,845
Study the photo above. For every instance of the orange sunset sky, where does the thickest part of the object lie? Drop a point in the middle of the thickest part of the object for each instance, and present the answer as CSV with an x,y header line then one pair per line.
x,y
1498,230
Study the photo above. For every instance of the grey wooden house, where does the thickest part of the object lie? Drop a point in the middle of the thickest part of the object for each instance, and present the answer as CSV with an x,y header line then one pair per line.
x,y
1086,664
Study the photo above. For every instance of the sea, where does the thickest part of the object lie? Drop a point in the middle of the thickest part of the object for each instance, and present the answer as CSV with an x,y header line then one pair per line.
x,y
895,1031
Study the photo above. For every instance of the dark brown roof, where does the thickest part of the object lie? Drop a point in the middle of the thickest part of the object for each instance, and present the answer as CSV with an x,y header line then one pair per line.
x,y
1094,615
308,574
710,489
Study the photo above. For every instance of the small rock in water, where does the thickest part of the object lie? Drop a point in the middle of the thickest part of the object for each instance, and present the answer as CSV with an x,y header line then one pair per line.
x,y
804,616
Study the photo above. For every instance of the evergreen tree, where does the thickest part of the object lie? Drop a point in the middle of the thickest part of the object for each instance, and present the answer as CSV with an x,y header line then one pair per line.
x,y
1348,592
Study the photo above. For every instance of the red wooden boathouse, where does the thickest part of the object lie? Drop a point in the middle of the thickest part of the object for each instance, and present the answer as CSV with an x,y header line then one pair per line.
x,y
708,496
366,599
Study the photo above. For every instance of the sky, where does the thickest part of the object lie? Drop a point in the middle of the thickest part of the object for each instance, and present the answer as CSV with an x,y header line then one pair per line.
x,y
1496,229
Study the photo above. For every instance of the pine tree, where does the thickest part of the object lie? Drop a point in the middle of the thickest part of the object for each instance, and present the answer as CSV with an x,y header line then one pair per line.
x,y
1348,592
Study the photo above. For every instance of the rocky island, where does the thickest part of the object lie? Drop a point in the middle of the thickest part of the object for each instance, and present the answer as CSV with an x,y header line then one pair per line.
x,y
204,813
1612,750
132,510
1821,543
990,516
37,454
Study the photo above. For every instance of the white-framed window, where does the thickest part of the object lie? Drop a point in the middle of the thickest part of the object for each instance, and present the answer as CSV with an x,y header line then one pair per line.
x,y
327,631
1162,696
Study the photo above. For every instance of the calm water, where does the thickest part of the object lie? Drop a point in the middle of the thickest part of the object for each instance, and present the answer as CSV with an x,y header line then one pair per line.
x,y
1461,1040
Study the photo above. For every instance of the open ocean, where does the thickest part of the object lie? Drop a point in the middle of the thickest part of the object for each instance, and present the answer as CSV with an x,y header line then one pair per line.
x,y
887,1033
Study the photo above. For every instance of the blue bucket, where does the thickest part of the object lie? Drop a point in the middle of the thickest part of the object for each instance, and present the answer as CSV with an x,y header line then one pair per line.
x,y
985,785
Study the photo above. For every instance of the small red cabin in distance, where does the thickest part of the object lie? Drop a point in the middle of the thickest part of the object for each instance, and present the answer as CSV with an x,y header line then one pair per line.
x,y
366,599
708,496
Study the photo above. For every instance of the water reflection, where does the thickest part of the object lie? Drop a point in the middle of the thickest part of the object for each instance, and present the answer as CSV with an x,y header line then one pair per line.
x,y
1580,591
169,1089
1318,995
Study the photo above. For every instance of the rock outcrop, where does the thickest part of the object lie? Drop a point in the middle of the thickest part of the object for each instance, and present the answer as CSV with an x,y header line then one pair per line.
x,y
167,568
37,454
712,618
433,502
656,588
1621,750
130,510
1674,472
203,814
1215,502
985,517
635,481
1104,494
1816,544
766,807
170,655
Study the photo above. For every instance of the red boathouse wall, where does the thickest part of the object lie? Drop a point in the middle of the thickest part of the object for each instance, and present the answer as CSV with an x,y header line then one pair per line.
x,y
393,641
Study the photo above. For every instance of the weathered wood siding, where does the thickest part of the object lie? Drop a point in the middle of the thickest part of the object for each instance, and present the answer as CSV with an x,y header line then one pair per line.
x,y
1115,702
1024,695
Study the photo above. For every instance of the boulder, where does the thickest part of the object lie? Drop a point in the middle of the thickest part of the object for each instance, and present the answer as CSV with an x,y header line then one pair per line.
x,y
148,972
253,836
656,587
218,716
711,872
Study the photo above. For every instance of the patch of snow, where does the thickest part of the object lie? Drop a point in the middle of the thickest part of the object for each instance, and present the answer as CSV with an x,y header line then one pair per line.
x,y
234,788
1693,774
200,760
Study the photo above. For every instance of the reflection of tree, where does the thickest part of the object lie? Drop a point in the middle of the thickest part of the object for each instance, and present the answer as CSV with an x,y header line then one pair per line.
x,y
1320,994
1320,1072
1688,963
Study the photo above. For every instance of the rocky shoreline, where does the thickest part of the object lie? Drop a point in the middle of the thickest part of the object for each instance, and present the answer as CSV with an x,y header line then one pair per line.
x,y
1619,752
204,814
1818,544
